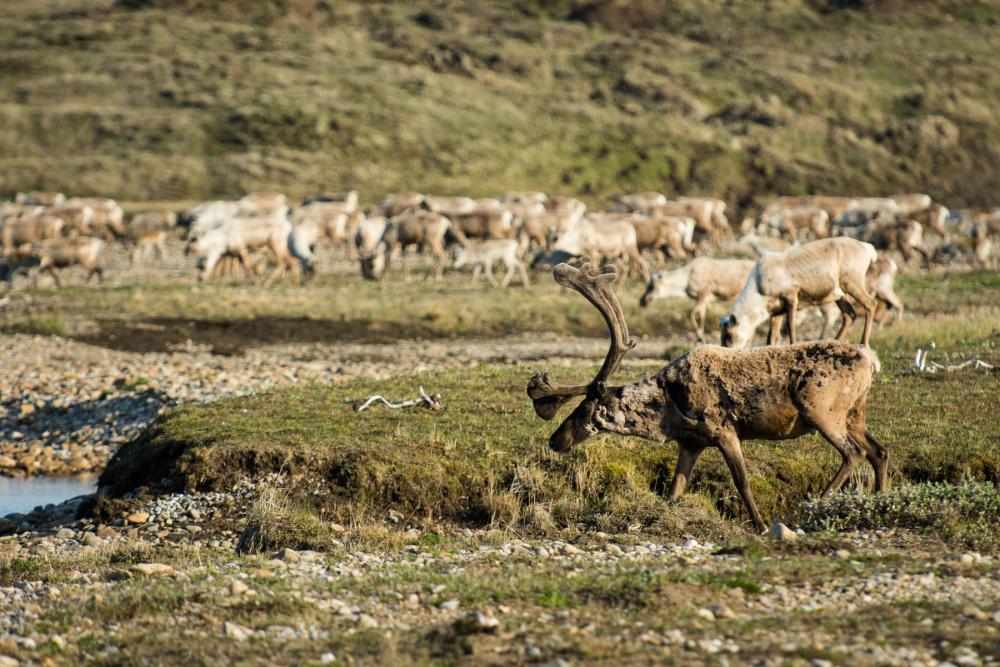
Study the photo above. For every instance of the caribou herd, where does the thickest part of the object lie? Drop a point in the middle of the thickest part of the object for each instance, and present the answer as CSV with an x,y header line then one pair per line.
x,y
840,254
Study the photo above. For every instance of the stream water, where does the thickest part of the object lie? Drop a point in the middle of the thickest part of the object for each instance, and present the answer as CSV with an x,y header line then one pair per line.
x,y
24,495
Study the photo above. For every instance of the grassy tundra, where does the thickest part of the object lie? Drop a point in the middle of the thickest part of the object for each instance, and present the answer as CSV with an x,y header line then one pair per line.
x,y
283,527
732,99
414,512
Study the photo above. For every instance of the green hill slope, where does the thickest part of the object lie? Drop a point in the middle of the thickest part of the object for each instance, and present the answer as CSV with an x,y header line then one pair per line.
x,y
187,99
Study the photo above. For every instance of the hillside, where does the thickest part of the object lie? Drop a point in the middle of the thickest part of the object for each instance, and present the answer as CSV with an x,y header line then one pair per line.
x,y
187,99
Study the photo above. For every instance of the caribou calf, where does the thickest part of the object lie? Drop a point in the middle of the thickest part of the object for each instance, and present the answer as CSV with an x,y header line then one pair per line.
x,y
484,255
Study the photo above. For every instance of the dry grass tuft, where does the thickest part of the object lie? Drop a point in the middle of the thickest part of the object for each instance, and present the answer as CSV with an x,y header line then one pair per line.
x,y
275,522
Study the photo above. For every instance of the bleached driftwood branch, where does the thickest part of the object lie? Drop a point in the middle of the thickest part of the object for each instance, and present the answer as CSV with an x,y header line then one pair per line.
x,y
432,401
921,363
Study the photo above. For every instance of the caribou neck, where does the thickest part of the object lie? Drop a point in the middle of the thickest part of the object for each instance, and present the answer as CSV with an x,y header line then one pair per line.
x,y
634,409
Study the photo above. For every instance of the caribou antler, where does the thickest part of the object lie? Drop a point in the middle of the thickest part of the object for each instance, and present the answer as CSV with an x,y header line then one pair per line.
x,y
595,285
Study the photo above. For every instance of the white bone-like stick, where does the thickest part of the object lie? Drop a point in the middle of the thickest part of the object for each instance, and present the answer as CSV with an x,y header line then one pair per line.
x,y
432,401
922,364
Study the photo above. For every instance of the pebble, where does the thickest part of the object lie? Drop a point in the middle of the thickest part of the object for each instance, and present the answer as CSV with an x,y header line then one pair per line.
x,y
237,632
971,611
481,622
782,533
705,614
153,569
366,622
720,611
92,540
138,518
238,588
450,605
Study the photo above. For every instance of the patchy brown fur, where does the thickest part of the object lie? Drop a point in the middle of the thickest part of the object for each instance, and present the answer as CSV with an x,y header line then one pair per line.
x,y
147,244
484,224
835,207
397,204
790,223
904,236
32,230
662,236
933,218
715,397
423,229
699,210
56,254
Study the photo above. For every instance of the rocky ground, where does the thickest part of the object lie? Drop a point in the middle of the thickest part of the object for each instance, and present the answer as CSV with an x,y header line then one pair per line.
x,y
486,596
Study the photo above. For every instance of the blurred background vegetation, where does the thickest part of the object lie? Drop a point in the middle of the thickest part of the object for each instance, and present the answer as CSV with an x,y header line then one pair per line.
x,y
175,100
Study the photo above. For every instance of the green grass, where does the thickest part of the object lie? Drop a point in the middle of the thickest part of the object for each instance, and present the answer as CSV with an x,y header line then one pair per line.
x,y
480,97
957,311
483,458
41,325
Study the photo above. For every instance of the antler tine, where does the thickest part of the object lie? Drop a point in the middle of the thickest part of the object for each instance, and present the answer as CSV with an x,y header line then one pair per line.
x,y
595,285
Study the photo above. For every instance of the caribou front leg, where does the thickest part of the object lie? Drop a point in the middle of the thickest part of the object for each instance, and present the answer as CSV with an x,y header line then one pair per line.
x,y
687,456
729,445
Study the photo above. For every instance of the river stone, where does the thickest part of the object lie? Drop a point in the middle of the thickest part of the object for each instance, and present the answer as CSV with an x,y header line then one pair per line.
x,y
782,533
138,517
92,540
237,632
153,569
705,614
720,611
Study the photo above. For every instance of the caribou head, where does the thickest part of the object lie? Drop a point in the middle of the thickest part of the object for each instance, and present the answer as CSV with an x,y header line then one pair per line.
x,y
603,408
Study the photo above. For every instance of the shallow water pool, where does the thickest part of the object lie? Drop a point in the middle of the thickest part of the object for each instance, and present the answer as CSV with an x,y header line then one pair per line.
x,y
24,495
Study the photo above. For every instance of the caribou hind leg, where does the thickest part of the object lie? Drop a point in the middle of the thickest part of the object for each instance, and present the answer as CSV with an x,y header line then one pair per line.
x,y
836,435
874,451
